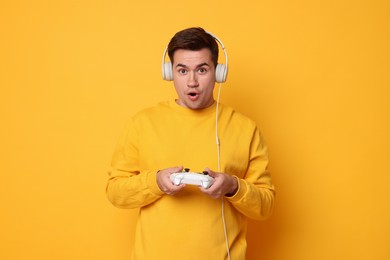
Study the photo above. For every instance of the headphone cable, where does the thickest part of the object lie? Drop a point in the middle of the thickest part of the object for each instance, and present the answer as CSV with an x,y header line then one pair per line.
x,y
219,168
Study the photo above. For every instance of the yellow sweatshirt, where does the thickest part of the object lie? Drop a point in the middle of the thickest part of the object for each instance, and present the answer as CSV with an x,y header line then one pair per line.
x,y
189,225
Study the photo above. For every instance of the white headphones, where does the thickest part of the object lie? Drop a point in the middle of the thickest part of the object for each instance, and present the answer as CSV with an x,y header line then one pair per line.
x,y
220,71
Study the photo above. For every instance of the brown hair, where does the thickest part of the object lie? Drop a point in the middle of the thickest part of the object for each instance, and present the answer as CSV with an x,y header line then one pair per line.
x,y
193,39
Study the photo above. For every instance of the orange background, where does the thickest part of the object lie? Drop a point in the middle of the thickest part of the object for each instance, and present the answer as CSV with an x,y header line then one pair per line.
x,y
313,74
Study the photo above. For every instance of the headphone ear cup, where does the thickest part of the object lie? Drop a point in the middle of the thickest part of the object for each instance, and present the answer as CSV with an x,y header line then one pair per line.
x,y
220,73
167,71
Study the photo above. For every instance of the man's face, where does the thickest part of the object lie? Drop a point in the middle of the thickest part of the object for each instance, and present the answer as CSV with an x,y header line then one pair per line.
x,y
194,78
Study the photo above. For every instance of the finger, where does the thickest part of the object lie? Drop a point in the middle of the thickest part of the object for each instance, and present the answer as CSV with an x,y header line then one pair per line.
x,y
177,169
175,189
210,172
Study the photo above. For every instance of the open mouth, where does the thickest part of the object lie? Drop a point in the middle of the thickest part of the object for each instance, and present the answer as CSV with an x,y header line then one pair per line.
x,y
193,96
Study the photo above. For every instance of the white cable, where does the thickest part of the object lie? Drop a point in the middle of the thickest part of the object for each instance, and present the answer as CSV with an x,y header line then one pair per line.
x,y
224,229
219,169
216,128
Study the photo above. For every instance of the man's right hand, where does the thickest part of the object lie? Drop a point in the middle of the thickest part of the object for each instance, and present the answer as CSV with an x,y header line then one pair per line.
x,y
164,182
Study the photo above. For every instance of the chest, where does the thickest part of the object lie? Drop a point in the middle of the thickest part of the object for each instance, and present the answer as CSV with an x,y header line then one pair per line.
x,y
192,144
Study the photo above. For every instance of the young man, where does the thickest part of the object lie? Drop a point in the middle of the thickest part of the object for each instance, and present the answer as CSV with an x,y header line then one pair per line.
x,y
186,221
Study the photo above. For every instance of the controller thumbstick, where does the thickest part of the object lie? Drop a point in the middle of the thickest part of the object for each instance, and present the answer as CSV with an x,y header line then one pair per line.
x,y
205,173
186,170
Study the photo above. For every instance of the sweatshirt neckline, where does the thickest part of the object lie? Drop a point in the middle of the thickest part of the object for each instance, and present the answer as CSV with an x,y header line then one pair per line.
x,y
194,112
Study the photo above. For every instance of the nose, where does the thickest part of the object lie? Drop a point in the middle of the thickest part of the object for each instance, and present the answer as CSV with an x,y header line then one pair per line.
x,y
192,80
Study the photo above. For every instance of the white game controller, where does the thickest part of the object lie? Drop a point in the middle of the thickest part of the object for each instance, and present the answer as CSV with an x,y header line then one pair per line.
x,y
192,178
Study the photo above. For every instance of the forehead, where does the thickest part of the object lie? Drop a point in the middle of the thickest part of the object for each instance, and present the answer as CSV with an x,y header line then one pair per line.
x,y
189,57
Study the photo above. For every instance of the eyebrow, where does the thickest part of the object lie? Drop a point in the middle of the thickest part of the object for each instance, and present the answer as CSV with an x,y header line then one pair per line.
x,y
200,65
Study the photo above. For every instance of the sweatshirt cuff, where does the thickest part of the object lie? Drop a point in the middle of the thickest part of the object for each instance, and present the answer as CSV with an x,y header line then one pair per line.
x,y
242,190
152,183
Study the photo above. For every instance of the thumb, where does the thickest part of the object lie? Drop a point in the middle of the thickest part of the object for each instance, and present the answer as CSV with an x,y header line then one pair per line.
x,y
178,169
210,172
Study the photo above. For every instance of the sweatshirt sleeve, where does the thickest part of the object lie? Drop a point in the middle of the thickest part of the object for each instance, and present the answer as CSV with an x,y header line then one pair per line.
x,y
255,195
129,187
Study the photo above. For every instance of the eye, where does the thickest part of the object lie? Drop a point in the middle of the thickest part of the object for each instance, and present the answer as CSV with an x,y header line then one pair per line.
x,y
202,70
182,71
